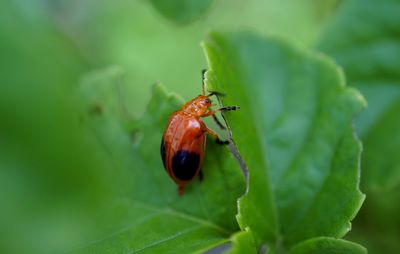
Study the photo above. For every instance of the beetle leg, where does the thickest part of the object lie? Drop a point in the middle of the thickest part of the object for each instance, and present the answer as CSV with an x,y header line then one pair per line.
x,y
217,139
227,108
201,176
212,113
181,189
220,125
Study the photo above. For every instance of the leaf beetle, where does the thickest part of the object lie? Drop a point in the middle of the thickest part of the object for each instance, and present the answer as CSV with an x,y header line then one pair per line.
x,y
184,139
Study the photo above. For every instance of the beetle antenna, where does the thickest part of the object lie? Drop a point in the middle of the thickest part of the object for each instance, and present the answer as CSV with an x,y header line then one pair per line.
x,y
203,85
216,93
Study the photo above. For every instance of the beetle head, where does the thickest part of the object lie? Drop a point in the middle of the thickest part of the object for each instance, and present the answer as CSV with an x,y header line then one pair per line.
x,y
198,106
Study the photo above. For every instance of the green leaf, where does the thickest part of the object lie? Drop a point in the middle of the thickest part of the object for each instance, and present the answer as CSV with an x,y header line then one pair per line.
x,y
154,218
364,38
243,242
181,11
294,132
327,245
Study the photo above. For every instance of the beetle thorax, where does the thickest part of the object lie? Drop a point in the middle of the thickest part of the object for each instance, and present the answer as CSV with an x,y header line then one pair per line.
x,y
198,106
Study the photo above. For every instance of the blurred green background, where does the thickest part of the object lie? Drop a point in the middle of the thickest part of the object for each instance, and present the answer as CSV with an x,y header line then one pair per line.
x,y
51,175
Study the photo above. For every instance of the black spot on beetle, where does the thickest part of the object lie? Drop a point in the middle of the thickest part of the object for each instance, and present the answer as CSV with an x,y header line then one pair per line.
x,y
162,150
185,165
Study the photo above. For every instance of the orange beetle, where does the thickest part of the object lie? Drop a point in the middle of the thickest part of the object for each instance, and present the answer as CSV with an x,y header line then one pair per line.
x,y
184,139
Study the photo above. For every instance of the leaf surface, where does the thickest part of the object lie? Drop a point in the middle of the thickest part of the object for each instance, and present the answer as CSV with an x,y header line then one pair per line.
x,y
326,245
152,217
181,11
243,242
364,37
294,132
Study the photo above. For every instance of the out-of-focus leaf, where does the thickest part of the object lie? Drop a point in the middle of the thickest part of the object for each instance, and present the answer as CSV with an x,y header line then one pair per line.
x,y
294,132
327,245
133,35
181,11
49,175
364,38
158,221
377,224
